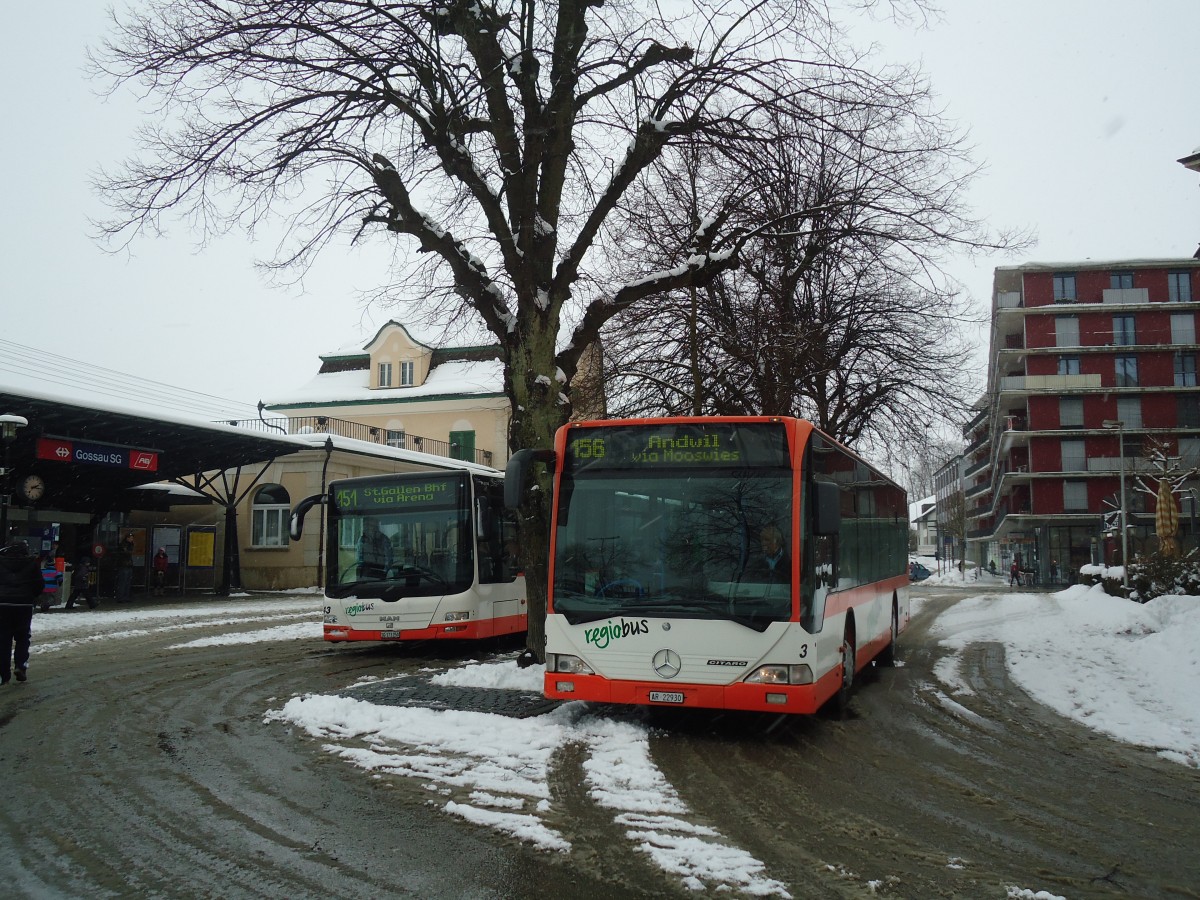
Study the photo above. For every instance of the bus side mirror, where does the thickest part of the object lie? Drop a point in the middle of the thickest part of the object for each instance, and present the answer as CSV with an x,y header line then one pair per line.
x,y
827,510
296,522
483,518
516,474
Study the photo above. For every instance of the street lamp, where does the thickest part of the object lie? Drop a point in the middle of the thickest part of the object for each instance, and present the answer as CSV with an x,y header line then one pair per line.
x,y
1119,426
1037,553
8,433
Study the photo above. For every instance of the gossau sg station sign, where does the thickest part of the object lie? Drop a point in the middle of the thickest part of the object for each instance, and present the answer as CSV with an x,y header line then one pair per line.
x,y
111,455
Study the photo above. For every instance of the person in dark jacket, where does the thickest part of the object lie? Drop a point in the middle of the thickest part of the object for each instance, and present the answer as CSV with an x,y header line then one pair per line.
x,y
81,588
20,588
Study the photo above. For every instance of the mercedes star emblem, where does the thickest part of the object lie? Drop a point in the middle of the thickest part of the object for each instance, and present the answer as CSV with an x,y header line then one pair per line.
x,y
666,663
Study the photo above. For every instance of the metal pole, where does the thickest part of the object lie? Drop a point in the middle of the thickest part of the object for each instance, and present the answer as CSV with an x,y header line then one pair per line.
x,y
1192,515
1124,522
8,433
4,498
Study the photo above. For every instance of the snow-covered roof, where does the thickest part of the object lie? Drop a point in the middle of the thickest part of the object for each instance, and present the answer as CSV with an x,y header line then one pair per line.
x,y
317,439
429,338
459,378
1136,262
919,509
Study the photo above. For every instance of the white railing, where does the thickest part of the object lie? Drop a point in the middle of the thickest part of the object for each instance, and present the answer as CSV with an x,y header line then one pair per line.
x,y
1126,295
1049,382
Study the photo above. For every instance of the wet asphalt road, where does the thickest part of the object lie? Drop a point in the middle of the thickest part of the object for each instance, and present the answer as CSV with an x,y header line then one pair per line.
x,y
130,769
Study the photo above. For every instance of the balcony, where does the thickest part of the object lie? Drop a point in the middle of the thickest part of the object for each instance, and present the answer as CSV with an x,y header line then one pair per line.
x,y
978,489
359,432
1126,296
977,467
1008,300
1049,382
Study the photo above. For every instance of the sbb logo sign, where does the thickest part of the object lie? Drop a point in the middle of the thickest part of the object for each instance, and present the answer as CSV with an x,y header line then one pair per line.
x,y
63,450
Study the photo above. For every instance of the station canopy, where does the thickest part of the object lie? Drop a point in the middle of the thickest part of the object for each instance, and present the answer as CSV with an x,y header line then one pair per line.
x,y
93,454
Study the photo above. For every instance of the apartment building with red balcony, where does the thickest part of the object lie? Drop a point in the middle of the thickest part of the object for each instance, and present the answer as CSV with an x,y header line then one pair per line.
x,y
1087,361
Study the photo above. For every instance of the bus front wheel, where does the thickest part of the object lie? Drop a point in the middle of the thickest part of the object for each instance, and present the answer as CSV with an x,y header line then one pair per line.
x,y
887,656
841,700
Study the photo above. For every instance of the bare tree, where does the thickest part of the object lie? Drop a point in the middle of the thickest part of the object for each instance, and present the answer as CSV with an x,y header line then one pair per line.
x,y
840,311
500,138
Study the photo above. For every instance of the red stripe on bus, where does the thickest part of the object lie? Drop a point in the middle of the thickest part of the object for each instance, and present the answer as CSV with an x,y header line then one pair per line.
x,y
472,630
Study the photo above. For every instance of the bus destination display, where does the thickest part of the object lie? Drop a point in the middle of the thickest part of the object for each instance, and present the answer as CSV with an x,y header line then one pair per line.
x,y
716,445
410,493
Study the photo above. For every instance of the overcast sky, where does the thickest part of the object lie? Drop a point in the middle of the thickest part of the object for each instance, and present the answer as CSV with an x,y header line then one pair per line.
x,y
1078,108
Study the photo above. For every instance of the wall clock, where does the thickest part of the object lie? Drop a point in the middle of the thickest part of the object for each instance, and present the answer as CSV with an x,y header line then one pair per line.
x,y
32,488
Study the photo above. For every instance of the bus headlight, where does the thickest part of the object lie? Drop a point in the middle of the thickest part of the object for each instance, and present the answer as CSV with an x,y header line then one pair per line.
x,y
781,674
457,616
566,664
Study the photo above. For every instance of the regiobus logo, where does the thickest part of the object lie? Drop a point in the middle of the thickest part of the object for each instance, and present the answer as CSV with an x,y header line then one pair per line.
x,y
611,631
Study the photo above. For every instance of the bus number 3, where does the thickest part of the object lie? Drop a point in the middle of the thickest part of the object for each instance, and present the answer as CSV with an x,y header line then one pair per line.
x,y
804,651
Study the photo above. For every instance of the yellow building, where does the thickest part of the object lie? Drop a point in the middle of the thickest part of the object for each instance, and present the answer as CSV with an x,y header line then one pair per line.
x,y
403,393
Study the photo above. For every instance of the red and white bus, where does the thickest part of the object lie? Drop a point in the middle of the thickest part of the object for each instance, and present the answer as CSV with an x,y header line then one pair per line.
x,y
419,556
666,588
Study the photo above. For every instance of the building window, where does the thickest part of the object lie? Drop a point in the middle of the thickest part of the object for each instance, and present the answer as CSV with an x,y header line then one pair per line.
x,y
1126,367
406,374
385,374
395,439
1123,331
1187,411
269,515
1074,459
1185,370
1066,331
1179,287
1189,452
1120,281
1075,496
1070,412
1129,411
1068,365
1183,328
1064,288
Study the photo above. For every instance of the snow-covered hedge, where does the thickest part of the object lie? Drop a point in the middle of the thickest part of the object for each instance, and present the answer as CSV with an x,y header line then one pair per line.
x,y
1149,577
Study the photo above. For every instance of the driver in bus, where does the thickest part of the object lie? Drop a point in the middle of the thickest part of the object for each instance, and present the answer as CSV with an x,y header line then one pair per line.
x,y
374,552
772,565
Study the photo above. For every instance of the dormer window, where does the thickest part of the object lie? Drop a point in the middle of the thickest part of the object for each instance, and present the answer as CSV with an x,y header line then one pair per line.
x,y
385,374
406,374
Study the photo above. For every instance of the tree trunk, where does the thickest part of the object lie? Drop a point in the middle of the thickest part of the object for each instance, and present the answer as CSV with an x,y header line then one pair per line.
x,y
539,409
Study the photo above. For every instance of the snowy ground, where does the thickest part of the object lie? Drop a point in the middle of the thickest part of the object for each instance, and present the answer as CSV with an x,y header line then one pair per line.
x,y
1127,670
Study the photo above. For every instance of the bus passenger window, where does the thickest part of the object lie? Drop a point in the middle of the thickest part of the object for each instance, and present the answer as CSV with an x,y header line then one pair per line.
x,y
825,568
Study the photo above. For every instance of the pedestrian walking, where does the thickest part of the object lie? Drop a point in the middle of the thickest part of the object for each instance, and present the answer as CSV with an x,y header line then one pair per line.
x,y
1014,575
20,588
124,568
81,587
1054,571
160,563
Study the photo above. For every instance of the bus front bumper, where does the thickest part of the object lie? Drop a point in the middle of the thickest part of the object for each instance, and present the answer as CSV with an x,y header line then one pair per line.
x,y
772,698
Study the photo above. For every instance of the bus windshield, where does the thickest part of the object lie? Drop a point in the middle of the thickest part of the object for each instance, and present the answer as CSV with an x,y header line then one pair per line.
x,y
695,545
407,537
